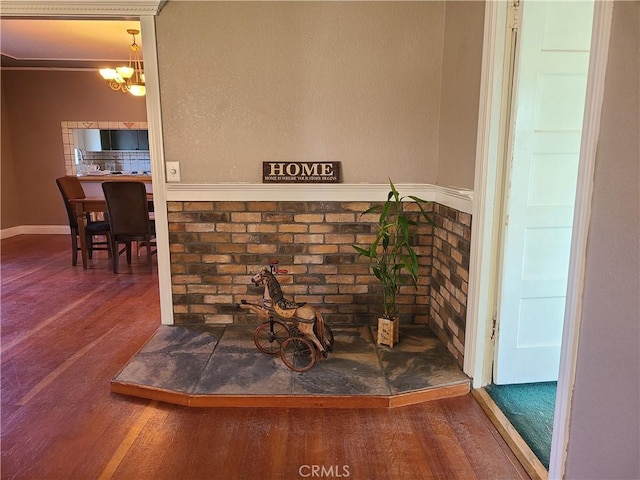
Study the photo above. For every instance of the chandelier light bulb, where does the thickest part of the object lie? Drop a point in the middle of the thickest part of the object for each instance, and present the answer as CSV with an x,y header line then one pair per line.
x,y
125,72
137,89
128,79
108,73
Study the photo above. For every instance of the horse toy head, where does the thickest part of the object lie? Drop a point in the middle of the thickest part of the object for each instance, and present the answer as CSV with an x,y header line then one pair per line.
x,y
258,278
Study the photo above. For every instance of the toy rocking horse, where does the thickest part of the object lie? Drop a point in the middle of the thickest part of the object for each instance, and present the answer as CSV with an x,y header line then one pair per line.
x,y
306,318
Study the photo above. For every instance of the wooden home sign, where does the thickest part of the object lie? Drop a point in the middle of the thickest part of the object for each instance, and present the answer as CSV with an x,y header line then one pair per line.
x,y
300,172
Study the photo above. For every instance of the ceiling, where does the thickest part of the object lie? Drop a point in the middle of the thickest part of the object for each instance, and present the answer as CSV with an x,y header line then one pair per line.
x,y
47,43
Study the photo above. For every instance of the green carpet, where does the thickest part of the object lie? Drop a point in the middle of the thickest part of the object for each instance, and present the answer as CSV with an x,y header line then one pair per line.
x,y
529,407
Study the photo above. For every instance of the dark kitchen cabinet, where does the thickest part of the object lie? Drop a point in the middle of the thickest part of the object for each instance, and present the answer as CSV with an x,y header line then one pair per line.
x,y
143,139
124,139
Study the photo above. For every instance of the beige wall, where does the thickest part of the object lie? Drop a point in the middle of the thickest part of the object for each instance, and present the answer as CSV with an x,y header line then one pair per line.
x,y
35,102
605,418
460,93
10,214
356,82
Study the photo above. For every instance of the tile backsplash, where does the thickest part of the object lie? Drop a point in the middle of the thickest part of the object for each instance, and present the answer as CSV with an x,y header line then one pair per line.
x,y
138,161
118,161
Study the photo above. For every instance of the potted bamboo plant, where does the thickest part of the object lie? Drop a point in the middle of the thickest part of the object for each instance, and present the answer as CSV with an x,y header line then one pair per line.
x,y
392,257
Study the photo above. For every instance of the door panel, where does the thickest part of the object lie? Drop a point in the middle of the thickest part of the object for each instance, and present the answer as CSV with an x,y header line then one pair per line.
x,y
545,191
550,86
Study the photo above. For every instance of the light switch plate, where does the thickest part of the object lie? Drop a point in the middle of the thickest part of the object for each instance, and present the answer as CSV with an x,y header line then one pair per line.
x,y
173,171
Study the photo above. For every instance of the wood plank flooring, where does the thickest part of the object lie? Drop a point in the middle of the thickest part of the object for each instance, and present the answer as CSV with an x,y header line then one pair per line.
x,y
65,334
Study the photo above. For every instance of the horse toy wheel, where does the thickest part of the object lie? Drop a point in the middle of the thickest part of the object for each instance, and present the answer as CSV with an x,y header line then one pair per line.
x,y
269,336
298,353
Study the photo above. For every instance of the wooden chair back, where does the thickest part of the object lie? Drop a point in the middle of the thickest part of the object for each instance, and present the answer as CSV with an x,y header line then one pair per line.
x,y
128,209
70,188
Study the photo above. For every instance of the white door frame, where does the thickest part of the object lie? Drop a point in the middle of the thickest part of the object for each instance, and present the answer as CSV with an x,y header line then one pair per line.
x,y
158,174
146,10
484,251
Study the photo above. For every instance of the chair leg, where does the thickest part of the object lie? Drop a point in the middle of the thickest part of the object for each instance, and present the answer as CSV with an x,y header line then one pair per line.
x,y
116,257
74,247
113,252
148,245
129,253
90,246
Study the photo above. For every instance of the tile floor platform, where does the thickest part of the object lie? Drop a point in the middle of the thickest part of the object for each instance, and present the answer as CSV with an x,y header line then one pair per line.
x,y
215,365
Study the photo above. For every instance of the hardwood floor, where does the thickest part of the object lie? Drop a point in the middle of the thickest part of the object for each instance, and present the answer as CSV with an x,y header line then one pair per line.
x,y
67,332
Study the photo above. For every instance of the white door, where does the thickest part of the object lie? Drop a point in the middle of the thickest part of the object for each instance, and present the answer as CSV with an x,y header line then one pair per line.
x,y
550,86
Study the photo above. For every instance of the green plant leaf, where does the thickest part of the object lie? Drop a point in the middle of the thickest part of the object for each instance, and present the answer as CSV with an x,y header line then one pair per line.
x,y
385,241
362,251
392,258
372,209
393,191
403,223
425,215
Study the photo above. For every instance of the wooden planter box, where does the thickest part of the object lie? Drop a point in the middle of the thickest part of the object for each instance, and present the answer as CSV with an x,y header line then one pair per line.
x,y
388,331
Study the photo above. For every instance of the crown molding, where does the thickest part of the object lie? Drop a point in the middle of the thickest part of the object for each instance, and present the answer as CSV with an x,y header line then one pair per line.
x,y
101,8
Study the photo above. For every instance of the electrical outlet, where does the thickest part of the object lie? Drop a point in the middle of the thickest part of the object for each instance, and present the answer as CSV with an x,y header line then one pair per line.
x,y
173,171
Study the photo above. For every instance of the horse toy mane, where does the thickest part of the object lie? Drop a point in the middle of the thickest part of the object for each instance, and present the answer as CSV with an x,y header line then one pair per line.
x,y
275,292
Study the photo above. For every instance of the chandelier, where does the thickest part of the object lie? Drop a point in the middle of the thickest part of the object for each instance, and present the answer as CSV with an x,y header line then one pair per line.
x,y
128,79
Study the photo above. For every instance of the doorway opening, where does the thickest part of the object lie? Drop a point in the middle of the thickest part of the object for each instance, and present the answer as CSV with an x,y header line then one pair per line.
x,y
542,117
551,63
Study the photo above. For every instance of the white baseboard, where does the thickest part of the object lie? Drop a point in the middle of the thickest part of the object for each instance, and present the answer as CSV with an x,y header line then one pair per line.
x,y
34,230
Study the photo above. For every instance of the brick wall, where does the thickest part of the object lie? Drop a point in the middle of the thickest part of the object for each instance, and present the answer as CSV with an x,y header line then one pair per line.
x,y
450,277
216,246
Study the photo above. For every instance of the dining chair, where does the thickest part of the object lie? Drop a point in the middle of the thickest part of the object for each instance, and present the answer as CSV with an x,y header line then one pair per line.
x,y
71,188
128,210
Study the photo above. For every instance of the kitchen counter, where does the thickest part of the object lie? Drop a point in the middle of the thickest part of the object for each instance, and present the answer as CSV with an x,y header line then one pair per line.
x,y
92,184
110,177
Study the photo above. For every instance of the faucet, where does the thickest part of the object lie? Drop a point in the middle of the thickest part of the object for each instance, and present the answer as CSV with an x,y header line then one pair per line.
x,y
79,156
